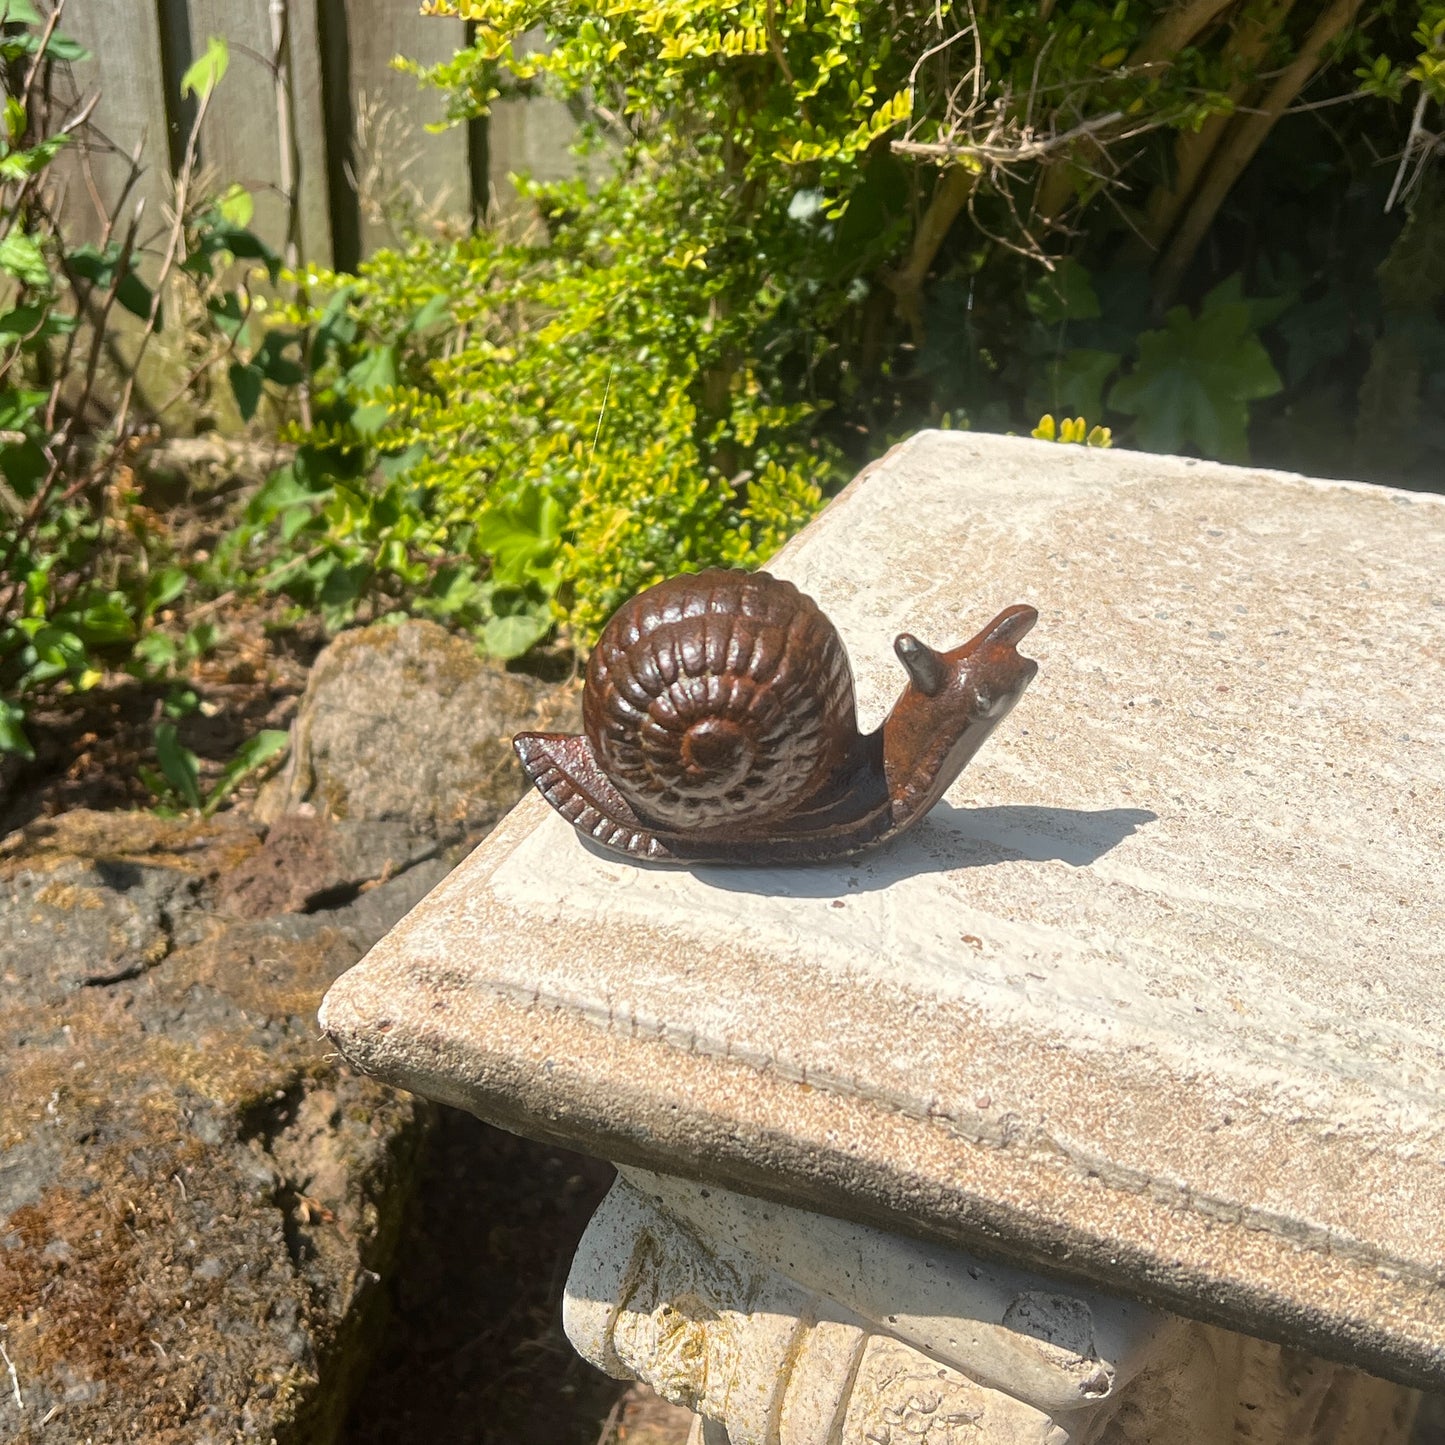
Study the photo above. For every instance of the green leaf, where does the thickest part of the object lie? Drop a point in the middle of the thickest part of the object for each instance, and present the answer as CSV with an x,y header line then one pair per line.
x,y
283,489
181,701
435,310
178,764
22,258
23,464
1064,294
12,731
19,12
19,407
227,313
370,418
62,47
236,206
1194,380
160,789
273,362
246,386
156,652
30,324
137,298
217,237
163,587
250,757
522,539
107,621
375,370
202,77
508,637
1078,378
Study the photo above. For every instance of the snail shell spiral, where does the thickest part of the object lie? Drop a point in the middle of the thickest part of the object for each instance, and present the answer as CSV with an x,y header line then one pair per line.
x,y
717,698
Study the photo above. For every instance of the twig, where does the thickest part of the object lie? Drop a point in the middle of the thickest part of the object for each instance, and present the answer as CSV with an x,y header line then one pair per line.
x,y
51,21
1417,127
174,245
950,195
280,66
1156,51
1193,151
1026,150
1181,25
602,412
775,44
609,1425
14,1379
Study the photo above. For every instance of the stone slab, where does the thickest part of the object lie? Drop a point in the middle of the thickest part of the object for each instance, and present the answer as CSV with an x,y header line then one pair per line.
x,y
1153,999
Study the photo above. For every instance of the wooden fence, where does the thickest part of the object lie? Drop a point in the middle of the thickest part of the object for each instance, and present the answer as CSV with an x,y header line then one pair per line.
x,y
311,118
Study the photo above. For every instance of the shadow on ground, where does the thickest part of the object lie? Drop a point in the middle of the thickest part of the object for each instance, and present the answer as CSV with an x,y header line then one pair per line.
x,y
473,1351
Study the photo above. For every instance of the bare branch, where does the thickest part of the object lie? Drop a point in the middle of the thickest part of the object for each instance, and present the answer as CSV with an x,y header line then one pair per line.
x,y
999,154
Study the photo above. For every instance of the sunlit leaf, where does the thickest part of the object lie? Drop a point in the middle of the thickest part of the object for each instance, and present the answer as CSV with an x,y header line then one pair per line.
x,y
205,73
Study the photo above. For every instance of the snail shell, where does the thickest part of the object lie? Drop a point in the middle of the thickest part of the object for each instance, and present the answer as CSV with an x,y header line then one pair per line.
x,y
719,696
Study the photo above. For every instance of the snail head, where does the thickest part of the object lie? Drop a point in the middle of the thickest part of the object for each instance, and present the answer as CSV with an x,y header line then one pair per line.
x,y
979,681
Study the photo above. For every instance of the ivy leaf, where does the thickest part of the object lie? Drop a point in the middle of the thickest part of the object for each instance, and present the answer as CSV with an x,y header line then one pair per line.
x,y
1194,381
509,637
246,385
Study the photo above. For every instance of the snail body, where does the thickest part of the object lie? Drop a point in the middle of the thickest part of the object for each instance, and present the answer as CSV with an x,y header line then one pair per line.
x,y
720,727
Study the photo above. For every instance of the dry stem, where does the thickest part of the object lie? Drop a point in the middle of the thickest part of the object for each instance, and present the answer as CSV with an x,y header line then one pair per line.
x,y
1245,136
1194,149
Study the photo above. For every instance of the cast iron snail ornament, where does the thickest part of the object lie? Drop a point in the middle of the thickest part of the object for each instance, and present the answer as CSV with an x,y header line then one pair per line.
x,y
720,727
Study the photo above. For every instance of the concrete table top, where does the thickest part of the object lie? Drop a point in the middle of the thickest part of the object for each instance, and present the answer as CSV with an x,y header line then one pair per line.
x,y
1155,999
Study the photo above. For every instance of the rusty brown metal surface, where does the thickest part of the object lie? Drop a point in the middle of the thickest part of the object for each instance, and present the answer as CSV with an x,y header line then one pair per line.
x,y
721,727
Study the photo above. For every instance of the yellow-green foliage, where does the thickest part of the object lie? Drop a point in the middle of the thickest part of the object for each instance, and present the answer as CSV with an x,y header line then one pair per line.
x,y
514,436
592,403
1072,430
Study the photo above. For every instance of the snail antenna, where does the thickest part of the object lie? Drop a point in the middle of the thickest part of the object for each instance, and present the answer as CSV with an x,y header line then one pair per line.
x,y
922,663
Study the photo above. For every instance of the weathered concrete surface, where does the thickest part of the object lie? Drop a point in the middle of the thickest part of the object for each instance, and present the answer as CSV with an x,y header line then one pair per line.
x,y
196,1197
1152,1000
406,723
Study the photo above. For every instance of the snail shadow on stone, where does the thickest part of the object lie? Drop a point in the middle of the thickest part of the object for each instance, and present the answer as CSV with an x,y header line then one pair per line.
x,y
947,839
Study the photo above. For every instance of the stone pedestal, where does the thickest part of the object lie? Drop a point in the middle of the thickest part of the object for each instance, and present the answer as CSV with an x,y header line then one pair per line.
x,y
1149,1007
780,1327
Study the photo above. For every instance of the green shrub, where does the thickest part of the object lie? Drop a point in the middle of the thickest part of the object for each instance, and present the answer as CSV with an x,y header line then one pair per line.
x,y
514,435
